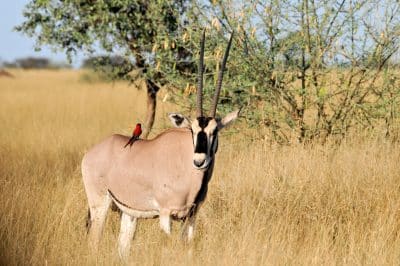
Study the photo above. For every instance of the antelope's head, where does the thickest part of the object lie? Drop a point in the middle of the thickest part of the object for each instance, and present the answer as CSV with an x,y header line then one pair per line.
x,y
205,128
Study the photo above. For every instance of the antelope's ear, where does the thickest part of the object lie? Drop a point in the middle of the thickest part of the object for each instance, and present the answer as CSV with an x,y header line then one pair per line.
x,y
179,120
229,118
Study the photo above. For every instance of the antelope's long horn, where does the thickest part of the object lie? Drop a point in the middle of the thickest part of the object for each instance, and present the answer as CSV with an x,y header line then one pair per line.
x,y
220,77
200,77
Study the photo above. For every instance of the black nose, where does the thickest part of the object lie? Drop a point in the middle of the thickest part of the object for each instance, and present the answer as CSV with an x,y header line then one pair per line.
x,y
198,163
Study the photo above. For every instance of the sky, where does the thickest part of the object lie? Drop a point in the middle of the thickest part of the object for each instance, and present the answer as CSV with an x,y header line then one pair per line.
x,y
15,45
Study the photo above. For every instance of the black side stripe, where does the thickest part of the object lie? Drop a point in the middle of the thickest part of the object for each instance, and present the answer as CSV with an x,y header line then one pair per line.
x,y
202,193
118,201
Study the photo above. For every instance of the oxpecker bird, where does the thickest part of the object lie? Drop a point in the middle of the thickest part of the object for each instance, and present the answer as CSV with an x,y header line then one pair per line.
x,y
135,135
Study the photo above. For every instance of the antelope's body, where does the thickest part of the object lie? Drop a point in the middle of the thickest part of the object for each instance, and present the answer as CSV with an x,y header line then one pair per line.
x,y
166,177
154,176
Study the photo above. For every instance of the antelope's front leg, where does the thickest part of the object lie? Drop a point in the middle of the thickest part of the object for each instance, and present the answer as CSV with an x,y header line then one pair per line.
x,y
165,221
188,227
128,227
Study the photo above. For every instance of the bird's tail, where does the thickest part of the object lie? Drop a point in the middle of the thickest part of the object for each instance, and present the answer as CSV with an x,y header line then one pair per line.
x,y
127,143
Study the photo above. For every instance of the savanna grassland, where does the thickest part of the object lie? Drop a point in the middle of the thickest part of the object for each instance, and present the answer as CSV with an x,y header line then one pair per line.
x,y
267,204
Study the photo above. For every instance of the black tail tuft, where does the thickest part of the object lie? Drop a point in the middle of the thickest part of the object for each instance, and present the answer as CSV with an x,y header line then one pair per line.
x,y
88,221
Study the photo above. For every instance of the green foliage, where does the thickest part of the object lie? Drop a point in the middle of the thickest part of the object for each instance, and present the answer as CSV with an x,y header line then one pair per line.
x,y
314,69
127,28
305,69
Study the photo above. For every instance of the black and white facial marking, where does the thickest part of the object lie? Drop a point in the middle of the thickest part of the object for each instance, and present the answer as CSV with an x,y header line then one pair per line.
x,y
178,119
205,141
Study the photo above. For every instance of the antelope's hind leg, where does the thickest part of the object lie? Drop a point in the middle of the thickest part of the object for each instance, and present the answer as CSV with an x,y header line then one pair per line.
x,y
126,233
97,216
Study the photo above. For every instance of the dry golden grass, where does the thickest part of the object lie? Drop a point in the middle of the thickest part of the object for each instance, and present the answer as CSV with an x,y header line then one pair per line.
x,y
296,205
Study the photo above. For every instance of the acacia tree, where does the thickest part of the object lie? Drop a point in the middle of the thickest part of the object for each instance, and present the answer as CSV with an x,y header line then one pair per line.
x,y
305,69
128,28
312,69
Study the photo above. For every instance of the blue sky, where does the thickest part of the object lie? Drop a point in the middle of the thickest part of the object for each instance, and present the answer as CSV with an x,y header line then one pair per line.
x,y
15,45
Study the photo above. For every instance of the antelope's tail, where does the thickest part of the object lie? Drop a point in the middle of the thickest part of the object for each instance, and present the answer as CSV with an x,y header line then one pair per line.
x,y
88,221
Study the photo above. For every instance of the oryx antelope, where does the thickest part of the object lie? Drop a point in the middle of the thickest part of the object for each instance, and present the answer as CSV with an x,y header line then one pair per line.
x,y
165,177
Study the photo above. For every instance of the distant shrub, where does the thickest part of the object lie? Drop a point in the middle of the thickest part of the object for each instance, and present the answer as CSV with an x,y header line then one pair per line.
x,y
33,62
111,67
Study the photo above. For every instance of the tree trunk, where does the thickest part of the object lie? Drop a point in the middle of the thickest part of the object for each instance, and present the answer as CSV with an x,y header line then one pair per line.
x,y
152,90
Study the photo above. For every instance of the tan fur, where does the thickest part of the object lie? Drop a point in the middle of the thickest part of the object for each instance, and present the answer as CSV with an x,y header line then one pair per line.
x,y
142,174
152,178
166,176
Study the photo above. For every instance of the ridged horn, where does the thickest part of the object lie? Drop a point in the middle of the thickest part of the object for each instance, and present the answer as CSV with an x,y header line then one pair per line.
x,y
220,77
200,77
